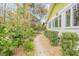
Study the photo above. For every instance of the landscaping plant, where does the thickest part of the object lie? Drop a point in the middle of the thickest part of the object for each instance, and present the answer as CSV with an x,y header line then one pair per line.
x,y
53,37
68,43
28,45
12,37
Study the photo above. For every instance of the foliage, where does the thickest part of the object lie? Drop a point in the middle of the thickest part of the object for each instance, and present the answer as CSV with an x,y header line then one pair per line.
x,y
38,27
16,34
5,41
21,10
12,37
6,47
28,45
53,36
68,43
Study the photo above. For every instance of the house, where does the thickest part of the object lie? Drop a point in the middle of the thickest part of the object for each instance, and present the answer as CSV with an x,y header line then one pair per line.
x,y
63,17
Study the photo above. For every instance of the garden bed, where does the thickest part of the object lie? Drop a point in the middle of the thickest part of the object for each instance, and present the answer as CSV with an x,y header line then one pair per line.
x,y
52,36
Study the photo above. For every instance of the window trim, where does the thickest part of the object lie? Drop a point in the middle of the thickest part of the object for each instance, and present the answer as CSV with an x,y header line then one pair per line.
x,y
66,18
53,21
73,17
48,25
56,19
70,6
59,23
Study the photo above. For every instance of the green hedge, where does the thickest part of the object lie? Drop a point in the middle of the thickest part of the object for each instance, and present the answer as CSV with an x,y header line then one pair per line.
x,y
68,43
53,37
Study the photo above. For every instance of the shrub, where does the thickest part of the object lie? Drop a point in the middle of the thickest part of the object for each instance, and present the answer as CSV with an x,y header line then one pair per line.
x,y
53,37
28,45
68,43
6,43
6,47
29,32
12,37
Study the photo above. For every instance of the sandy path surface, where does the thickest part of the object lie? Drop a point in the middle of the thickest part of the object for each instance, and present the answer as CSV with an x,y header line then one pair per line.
x,y
43,47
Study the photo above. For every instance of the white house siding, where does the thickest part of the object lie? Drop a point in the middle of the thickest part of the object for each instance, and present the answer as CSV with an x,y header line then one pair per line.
x,y
63,28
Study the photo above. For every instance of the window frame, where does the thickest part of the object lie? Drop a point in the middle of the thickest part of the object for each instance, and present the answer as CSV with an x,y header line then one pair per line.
x,y
70,6
66,18
73,16
49,23
59,22
52,23
56,19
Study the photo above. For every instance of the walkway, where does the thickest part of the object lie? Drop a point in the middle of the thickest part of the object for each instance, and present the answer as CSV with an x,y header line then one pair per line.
x,y
43,47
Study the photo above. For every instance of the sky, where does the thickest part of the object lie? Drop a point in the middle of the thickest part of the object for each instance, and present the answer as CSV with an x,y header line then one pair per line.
x,y
12,5
47,5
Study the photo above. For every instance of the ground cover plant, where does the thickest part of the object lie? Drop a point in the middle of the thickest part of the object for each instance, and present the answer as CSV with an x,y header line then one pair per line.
x,y
53,37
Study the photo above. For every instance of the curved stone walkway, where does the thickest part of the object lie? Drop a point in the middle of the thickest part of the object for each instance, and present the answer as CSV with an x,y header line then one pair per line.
x,y
43,47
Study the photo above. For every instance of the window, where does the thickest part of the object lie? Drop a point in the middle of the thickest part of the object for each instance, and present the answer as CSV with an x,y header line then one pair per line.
x,y
56,22
49,24
60,21
76,15
52,24
68,18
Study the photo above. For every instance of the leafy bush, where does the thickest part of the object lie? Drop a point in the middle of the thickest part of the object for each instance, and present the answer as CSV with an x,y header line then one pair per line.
x,y
29,32
38,27
28,45
68,43
53,36
5,42
12,37
6,47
